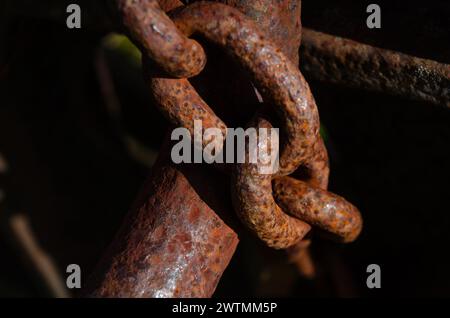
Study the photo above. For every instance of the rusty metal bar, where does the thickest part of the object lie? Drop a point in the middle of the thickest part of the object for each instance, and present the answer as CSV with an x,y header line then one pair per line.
x,y
342,61
172,244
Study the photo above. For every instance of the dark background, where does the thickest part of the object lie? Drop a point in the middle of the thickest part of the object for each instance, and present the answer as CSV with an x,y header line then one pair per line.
x,y
76,163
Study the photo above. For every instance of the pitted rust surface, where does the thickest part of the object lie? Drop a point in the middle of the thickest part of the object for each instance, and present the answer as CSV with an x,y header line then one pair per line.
x,y
280,20
318,167
160,39
279,80
256,207
182,105
346,62
172,244
318,207
283,86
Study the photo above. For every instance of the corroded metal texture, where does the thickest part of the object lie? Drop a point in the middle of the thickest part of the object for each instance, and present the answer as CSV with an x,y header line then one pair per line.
x,y
159,39
280,20
283,87
346,62
255,205
318,207
279,81
182,105
171,245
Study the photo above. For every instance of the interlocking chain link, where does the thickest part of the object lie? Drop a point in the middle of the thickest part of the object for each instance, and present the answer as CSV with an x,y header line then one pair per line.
x,y
157,37
277,208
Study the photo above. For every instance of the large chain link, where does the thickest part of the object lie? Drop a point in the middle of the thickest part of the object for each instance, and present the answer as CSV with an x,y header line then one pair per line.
x,y
277,208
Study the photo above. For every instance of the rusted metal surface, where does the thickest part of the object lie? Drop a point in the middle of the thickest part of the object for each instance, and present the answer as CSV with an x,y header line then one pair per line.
x,y
159,39
279,81
253,200
283,87
182,105
342,61
255,205
171,245
280,20
318,207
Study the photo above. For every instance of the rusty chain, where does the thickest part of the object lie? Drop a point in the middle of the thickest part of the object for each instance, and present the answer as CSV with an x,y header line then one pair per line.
x,y
281,83
277,208
175,242
156,35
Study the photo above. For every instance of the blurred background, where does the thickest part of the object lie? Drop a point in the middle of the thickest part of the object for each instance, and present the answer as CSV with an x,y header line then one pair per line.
x,y
79,135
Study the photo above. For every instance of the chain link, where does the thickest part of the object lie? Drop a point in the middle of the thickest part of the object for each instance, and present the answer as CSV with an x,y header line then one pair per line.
x,y
278,209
